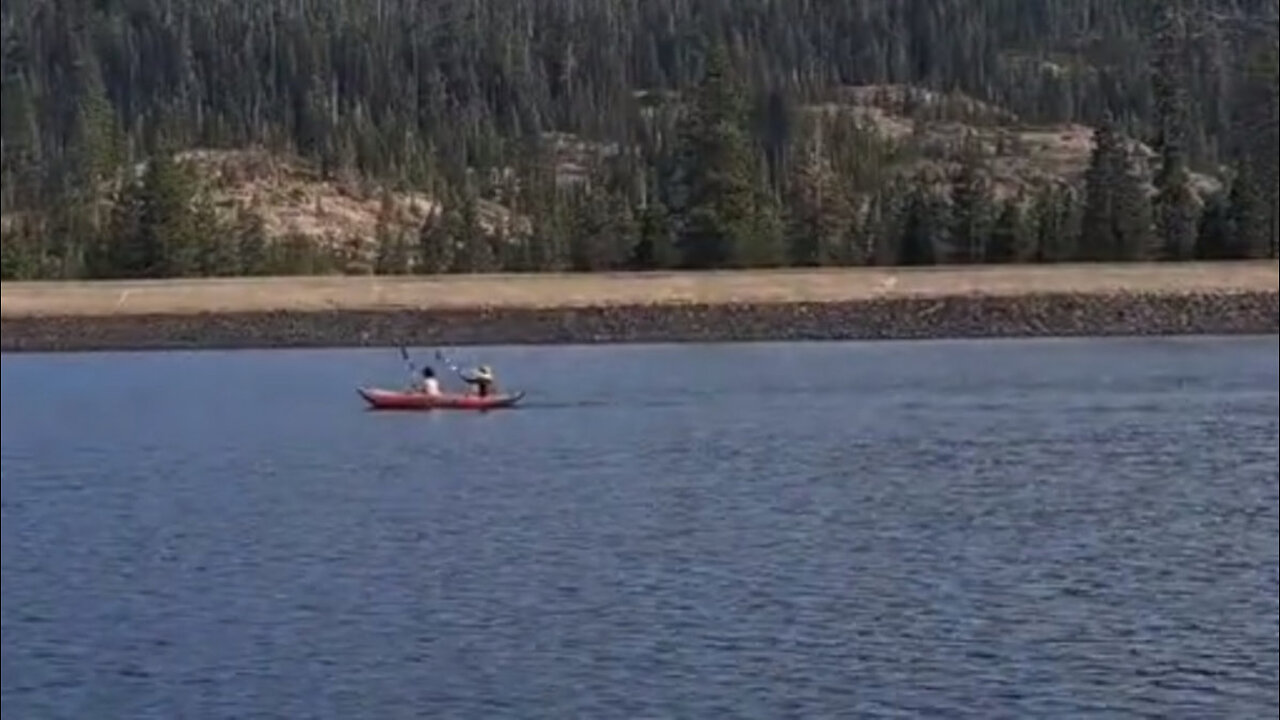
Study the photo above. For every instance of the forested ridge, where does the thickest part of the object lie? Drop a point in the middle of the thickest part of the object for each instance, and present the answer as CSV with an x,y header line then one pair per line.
x,y
147,138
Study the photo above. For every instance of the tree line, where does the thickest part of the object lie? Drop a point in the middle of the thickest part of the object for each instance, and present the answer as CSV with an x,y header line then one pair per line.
x,y
711,141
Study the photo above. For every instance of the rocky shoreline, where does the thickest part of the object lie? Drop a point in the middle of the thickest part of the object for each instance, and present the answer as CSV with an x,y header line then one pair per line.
x,y
962,316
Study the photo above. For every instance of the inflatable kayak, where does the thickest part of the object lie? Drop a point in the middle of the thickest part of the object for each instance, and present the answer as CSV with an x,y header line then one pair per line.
x,y
379,399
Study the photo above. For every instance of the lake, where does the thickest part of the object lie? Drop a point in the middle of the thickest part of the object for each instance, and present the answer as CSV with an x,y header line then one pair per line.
x,y
1047,528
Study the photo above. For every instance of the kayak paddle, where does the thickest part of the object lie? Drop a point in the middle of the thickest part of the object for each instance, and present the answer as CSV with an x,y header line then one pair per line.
x,y
440,356
413,370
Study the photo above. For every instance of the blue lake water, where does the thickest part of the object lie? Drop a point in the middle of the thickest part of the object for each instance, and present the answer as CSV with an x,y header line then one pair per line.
x,y
1050,528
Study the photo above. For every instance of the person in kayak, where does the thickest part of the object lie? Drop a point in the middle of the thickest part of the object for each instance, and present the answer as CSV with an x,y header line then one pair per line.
x,y
429,385
482,380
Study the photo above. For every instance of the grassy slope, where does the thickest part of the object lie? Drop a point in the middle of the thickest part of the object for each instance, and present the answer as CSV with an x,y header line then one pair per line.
x,y
532,291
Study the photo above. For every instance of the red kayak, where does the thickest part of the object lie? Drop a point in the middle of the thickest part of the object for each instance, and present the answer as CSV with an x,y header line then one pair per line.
x,y
379,399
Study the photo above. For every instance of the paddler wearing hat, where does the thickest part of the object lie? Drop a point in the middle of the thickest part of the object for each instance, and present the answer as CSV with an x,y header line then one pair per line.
x,y
482,379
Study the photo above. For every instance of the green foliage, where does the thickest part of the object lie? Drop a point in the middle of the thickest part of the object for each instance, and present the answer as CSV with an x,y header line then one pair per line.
x,y
438,242
972,210
393,254
1213,238
1178,215
250,237
820,214
924,223
1117,223
1057,216
709,149
655,247
719,215
1247,215
1013,236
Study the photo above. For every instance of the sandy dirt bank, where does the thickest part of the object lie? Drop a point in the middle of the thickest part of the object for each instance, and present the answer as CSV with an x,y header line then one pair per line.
x,y
254,295
1076,300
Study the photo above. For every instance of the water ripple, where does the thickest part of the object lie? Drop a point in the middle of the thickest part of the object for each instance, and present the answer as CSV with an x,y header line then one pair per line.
x,y
986,530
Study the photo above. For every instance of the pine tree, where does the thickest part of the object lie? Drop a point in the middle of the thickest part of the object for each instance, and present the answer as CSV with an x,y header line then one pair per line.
x,y
716,171
20,251
626,231
1247,214
590,241
655,249
765,241
167,234
550,239
1117,222
1134,219
1048,221
886,224
1168,81
216,251
1257,127
20,138
251,242
297,254
437,243
1177,205
1214,241
971,208
94,146
924,227
1178,215
820,218
391,254
475,247
1012,237
1106,173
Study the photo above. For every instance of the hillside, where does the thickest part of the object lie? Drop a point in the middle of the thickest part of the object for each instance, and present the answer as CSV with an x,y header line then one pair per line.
x,y
543,135
295,199
1018,156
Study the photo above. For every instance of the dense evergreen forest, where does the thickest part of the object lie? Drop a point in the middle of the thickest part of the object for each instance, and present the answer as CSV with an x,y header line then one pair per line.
x,y
645,134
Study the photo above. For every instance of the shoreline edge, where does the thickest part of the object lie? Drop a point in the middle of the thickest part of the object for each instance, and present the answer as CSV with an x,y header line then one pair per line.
x,y
860,304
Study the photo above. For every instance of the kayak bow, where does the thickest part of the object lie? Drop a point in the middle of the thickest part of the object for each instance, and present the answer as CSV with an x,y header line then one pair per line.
x,y
380,399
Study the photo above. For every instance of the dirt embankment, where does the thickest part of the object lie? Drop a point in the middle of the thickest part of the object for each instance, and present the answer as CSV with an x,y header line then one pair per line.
x,y
823,304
